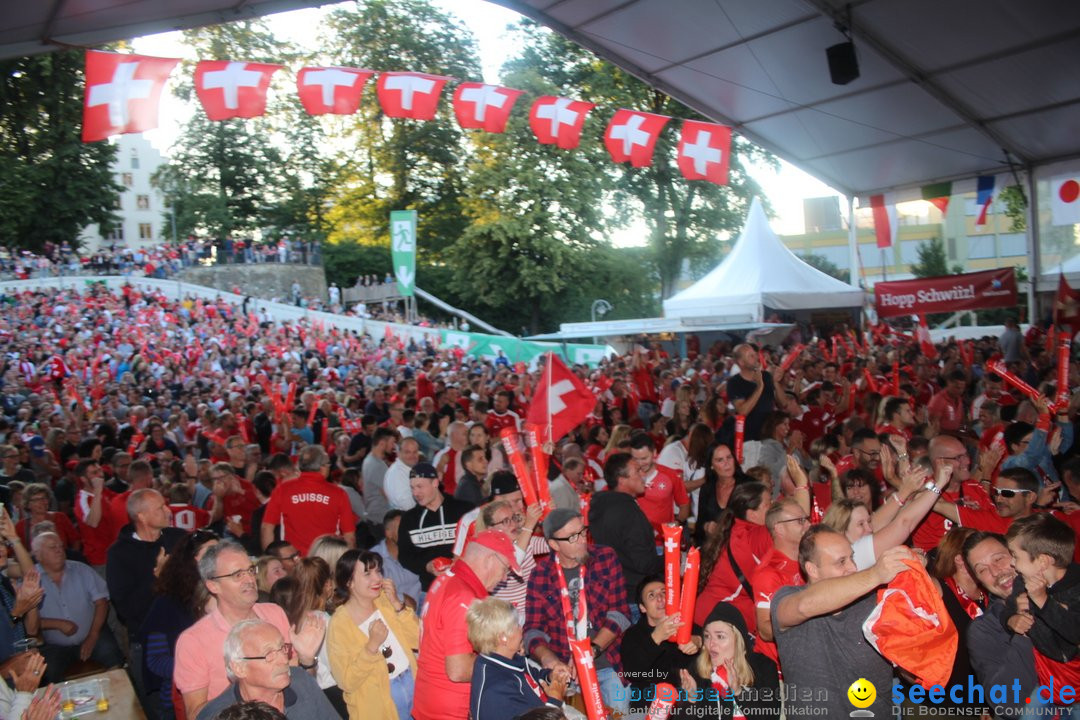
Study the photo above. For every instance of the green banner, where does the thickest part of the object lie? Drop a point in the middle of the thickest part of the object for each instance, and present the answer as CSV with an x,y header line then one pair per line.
x,y
403,249
517,350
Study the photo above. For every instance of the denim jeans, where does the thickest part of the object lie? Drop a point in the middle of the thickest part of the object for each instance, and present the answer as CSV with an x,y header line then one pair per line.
x,y
401,690
615,694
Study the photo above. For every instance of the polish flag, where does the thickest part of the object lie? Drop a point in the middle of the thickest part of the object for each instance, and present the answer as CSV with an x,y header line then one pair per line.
x,y
233,89
703,151
331,90
484,107
1065,200
410,95
122,93
558,120
631,136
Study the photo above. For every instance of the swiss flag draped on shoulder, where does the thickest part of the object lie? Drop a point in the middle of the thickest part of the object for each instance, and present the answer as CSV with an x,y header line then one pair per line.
x,y
122,93
703,151
558,120
561,401
409,94
231,89
631,136
484,107
334,90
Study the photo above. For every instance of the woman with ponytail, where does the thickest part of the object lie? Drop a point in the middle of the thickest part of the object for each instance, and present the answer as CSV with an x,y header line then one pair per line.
x,y
732,550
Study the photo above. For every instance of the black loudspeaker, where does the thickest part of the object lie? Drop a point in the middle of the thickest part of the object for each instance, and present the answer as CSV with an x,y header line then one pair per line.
x,y
843,66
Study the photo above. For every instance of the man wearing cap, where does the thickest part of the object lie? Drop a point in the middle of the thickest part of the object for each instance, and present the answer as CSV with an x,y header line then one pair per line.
x,y
595,585
428,530
446,657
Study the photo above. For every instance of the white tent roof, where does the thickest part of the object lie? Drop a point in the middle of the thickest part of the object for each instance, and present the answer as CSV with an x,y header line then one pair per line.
x,y
760,271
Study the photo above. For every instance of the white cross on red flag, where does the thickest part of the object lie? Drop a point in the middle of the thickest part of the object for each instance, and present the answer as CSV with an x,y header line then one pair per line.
x,y
558,120
233,89
333,90
703,151
409,94
631,136
484,107
122,93
560,403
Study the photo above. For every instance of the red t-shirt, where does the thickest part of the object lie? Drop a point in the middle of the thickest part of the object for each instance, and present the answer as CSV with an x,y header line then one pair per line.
x,y
495,422
242,504
118,508
308,507
663,487
749,544
96,540
67,532
189,517
949,412
443,632
777,570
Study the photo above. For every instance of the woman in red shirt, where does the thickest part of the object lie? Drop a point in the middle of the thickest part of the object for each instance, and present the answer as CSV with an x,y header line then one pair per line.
x,y
37,499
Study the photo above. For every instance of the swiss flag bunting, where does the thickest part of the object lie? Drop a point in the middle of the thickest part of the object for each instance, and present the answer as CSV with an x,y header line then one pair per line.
x,y
560,403
409,94
484,107
631,136
333,90
703,151
885,223
122,93
231,89
558,120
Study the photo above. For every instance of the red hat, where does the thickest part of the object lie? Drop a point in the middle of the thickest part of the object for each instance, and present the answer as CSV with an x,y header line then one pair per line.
x,y
501,543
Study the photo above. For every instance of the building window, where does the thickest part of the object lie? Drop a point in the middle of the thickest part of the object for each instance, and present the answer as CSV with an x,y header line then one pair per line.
x,y
119,204
142,202
146,231
134,160
116,234
128,179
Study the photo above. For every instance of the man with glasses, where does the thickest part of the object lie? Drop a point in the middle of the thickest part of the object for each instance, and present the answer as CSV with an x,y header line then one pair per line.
x,y
310,505
1014,494
786,522
597,600
257,661
948,450
199,672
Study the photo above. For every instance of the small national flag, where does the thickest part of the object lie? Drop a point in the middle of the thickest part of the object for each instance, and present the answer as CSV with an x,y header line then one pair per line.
x,y
983,197
938,195
1067,305
884,211
1065,200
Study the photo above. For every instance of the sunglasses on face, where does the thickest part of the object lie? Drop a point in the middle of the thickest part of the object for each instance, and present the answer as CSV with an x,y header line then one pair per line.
x,y
1008,493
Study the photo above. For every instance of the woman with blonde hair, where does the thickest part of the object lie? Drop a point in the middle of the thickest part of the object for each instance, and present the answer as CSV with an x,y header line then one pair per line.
x,y
727,668
268,570
372,639
330,548
619,434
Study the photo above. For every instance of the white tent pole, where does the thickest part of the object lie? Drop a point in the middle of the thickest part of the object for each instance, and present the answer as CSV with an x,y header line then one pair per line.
x,y
853,240
1033,246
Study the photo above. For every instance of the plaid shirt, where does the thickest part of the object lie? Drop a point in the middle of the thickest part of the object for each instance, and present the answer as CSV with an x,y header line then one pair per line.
x,y
605,591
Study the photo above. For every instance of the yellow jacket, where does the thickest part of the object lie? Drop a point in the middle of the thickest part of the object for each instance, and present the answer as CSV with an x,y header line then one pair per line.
x,y
363,677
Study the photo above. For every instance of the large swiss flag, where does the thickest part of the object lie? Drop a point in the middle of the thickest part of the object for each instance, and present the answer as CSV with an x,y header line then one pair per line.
x,y
122,93
233,89
703,151
410,94
631,136
558,120
561,401
333,90
484,107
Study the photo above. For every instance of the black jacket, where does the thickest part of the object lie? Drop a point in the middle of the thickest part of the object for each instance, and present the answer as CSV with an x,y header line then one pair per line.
x,y
129,573
645,663
501,687
428,534
761,700
616,520
1056,632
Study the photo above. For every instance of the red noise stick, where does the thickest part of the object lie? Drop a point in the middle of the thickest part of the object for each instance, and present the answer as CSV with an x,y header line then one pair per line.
x,y
1064,352
539,467
664,703
586,673
509,438
689,596
998,368
672,558
740,430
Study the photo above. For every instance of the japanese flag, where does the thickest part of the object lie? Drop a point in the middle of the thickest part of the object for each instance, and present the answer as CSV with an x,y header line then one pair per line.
x,y
1065,200
484,107
631,136
561,401
409,94
558,120
230,89
334,90
703,151
122,93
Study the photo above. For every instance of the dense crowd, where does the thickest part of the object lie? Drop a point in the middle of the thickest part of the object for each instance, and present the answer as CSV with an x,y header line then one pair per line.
x,y
264,520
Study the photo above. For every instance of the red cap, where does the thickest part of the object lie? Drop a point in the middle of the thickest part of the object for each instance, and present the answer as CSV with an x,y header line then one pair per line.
x,y
501,543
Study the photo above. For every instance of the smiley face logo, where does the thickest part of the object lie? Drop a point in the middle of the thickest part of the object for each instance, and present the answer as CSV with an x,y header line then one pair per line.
x,y
862,693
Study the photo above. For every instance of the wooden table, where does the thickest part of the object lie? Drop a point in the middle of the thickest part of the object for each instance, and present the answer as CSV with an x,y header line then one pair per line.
x,y
123,705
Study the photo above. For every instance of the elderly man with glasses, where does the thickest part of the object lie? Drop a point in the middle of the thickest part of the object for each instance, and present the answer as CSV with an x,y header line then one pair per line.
x,y
229,575
257,662
594,581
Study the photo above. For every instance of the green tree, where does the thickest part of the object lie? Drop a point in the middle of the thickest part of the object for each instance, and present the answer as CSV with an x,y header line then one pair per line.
x,y
932,261
222,175
51,183
825,265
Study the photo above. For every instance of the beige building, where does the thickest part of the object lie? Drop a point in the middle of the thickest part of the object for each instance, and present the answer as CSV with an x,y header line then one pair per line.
x,y
140,206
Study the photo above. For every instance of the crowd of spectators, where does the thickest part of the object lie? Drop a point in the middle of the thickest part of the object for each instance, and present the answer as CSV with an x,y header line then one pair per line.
x,y
268,520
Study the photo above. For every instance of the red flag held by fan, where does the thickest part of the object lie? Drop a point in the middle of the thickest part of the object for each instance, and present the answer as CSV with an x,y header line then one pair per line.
x,y
926,343
1067,305
561,401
